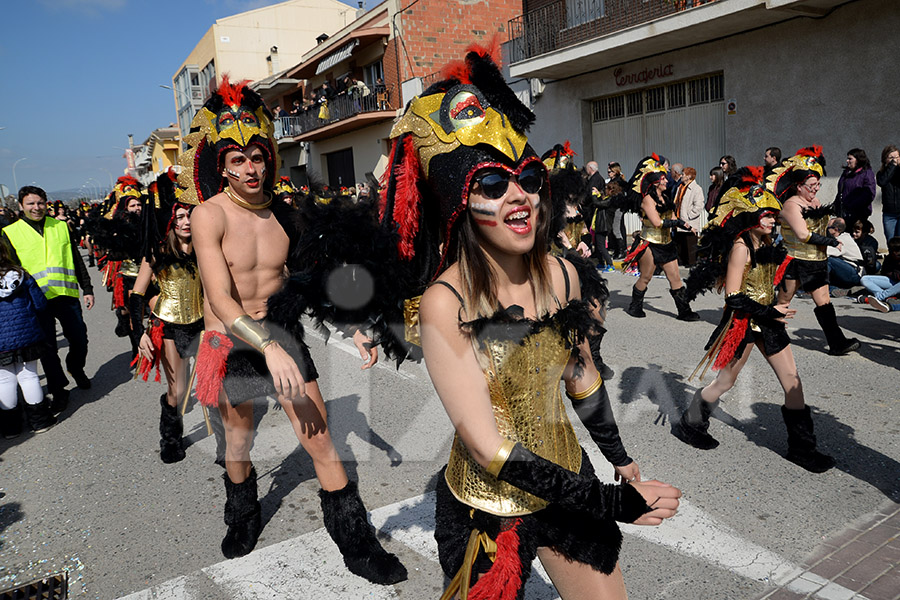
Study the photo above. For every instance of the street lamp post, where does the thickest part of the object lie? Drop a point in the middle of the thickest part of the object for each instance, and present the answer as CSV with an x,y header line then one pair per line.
x,y
15,182
111,184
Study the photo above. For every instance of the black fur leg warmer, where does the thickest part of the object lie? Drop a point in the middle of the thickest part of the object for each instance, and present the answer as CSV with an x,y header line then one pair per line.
x,y
347,524
242,515
170,431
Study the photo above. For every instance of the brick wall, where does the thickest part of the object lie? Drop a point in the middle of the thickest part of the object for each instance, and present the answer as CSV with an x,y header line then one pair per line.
x,y
436,32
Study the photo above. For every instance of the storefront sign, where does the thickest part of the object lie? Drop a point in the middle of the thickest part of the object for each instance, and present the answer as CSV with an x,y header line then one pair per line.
x,y
645,76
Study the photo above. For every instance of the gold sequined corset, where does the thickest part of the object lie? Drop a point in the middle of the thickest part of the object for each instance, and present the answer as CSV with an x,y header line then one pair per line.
x,y
657,235
129,268
180,298
758,284
523,380
572,231
797,248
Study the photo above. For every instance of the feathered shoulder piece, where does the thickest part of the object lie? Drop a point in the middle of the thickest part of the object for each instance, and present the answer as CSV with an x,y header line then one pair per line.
x,y
826,210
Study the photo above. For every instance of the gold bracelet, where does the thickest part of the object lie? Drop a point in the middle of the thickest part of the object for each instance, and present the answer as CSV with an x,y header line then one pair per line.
x,y
808,237
582,395
252,333
500,457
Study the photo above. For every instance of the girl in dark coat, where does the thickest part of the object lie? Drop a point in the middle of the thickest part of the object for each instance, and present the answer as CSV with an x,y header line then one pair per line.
x,y
21,345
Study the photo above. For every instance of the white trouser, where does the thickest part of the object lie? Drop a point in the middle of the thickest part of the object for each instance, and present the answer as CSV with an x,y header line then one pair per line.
x,y
24,374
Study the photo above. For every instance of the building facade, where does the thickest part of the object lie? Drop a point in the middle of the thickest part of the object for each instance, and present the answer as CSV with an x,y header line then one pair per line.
x,y
698,79
253,45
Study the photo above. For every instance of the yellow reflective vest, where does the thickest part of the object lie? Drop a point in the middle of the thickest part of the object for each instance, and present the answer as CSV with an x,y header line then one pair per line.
x,y
48,257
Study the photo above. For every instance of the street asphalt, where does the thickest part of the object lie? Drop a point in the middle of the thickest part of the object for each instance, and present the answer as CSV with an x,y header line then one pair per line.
x,y
92,497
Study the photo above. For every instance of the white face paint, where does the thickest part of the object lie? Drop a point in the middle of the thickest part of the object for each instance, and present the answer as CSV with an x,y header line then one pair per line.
x,y
488,207
232,174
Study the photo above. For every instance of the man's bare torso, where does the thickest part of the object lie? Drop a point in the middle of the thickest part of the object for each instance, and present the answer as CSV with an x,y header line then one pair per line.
x,y
255,248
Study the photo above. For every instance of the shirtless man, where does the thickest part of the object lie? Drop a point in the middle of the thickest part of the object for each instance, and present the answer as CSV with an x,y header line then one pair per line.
x,y
241,251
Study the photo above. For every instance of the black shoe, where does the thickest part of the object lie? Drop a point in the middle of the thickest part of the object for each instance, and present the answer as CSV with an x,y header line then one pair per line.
x,y
81,380
60,402
40,418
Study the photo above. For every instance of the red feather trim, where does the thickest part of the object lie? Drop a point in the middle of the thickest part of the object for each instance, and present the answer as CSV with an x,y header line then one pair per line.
x,y
491,50
156,339
634,255
119,292
755,174
503,580
814,151
655,157
126,180
172,174
407,199
232,93
212,364
733,339
782,269
458,69
567,149
152,188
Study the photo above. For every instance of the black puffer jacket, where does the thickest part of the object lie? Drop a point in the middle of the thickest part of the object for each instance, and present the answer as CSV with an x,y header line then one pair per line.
x,y
888,180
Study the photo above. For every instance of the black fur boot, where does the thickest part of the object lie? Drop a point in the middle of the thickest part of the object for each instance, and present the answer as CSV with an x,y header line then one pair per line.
x,y
40,419
242,515
170,432
802,441
684,307
123,323
838,344
693,428
636,308
347,524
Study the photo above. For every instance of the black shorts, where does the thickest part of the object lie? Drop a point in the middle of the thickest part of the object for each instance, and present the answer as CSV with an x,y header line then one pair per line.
x,y
774,336
590,541
663,253
247,375
186,337
809,274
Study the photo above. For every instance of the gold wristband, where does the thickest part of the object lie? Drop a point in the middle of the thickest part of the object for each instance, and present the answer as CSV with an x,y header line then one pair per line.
x,y
593,388
250,332
808,237
500,457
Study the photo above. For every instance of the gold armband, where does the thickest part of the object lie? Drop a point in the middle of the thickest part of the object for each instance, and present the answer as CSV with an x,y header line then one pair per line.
x,y
808,237
500,457
593,388
250,332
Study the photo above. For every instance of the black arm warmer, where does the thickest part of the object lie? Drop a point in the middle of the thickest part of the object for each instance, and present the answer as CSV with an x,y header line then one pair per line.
x,y
669,223
597,415
136,303
822,240
535,475
756,310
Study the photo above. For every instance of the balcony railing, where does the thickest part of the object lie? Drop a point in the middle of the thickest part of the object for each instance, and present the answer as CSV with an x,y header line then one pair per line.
x,y
339,108
568,22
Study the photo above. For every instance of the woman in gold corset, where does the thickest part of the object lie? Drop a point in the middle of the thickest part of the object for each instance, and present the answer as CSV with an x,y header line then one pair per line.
x,y
740,258
176,316
501,324
804,223
657,249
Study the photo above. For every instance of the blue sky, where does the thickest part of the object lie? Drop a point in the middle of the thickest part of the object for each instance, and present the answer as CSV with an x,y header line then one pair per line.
x,y
77,76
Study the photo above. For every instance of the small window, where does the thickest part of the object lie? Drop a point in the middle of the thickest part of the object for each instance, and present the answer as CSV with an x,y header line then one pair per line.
x,y
699,91
635,102
656,99
716,88
676,95
605,109
616,107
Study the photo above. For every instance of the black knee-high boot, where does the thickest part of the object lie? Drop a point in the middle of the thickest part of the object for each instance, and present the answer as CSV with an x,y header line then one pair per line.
x,y
636,308
693,428
684,307
170,432
123,322
802,441
40,417
243,516
349,527
838,344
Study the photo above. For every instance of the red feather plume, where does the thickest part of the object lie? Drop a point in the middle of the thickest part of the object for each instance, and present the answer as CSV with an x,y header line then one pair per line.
x,y
814,151
782,269
491,50
232,93
733,339
503,580
212,364
407,198
126,180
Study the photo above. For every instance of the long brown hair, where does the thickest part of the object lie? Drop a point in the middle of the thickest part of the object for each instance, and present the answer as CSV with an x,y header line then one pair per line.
x,y
479,283
6,261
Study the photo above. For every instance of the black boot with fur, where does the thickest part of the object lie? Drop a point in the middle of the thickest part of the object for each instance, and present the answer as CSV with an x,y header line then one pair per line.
x,y
170,432
683,306
802,441
693,428
349,527
636,308
243,516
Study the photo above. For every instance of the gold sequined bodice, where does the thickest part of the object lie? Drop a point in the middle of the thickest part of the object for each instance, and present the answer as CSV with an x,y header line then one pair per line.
x,y
758,282
657,235
524,384
180,298
129,268
572,231
797,248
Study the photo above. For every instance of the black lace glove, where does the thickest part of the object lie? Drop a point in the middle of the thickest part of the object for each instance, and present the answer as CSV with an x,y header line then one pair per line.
x,y
136,303
535,475
760,312
670,223
595,412
822,240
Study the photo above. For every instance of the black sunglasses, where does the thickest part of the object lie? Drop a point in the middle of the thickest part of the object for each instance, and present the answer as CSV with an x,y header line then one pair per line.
x,y
494,184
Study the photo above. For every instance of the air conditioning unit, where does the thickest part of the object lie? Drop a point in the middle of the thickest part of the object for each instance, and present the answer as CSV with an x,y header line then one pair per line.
x,y
537,87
